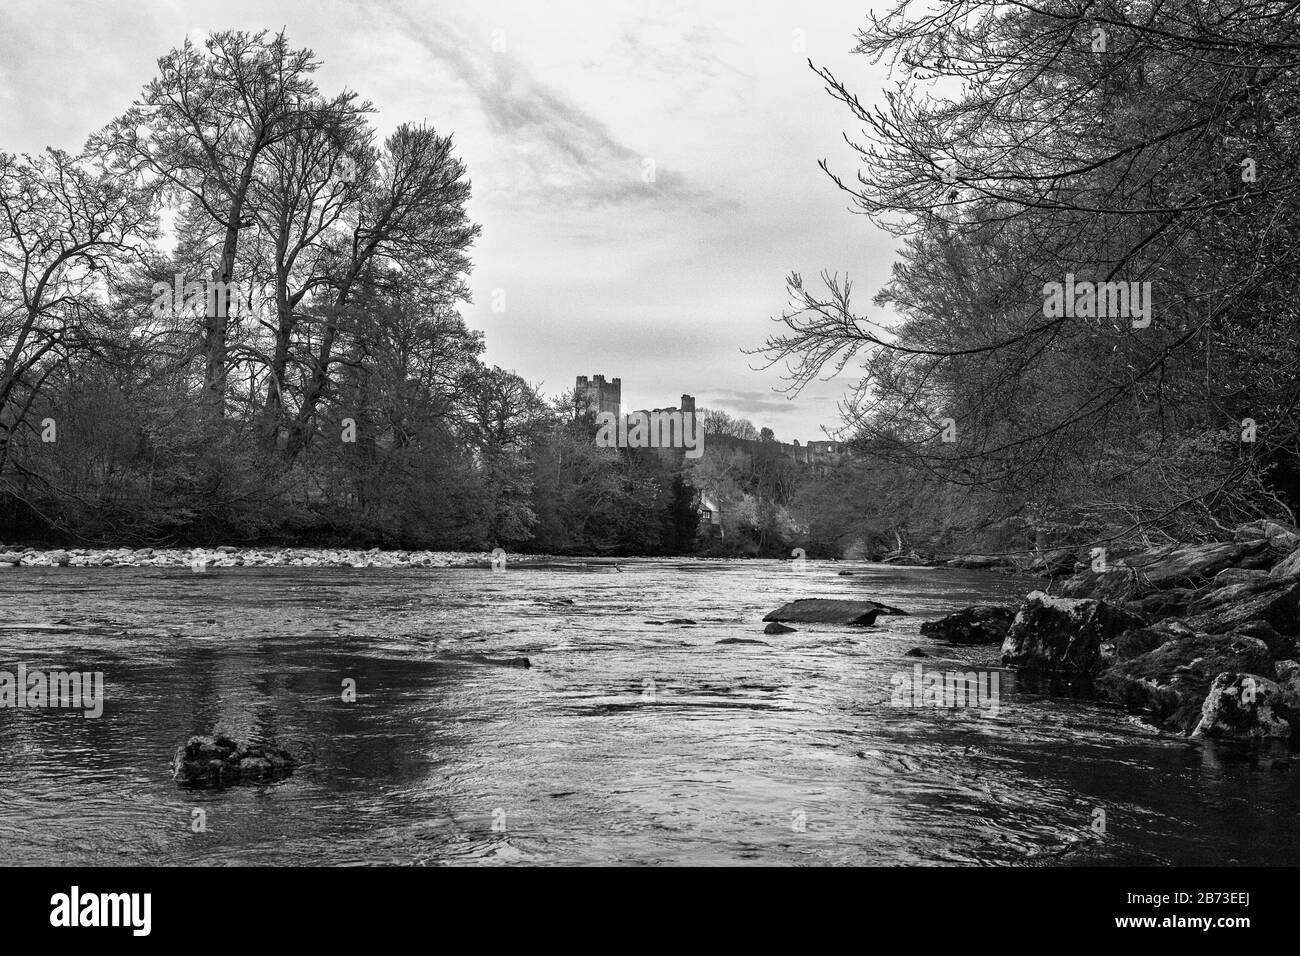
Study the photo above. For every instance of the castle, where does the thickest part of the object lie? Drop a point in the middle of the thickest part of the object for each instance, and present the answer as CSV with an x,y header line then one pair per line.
x,y
595,395
598,395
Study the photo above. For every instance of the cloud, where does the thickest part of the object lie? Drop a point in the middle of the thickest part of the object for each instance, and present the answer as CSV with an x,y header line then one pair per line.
x,y
681,44
748,403
568,155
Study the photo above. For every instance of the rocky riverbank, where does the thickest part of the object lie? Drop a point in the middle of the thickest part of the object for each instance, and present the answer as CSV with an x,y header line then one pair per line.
x,y
202,559
1202,640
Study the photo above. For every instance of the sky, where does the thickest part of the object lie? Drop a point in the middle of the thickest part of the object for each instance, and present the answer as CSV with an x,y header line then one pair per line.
x,y
645,173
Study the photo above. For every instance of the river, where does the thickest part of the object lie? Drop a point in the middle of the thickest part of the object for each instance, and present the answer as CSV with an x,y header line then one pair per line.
x,y
625,742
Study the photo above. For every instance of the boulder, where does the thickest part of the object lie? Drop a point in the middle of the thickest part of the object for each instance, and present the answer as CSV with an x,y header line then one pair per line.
x,y
1169,683
982,624
59,558
1243,706
219,761
1229,608
1239,576
1140,640
776,628
1138,575
1288,567
1064,636
916,652
1280,646
830,611
11,557
1281,537
1162,604
1287,677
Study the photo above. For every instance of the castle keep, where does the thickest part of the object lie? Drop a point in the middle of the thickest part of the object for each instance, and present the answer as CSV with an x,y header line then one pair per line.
x,y
596,395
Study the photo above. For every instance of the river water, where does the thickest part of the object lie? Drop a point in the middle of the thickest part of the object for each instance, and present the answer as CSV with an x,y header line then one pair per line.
x,y
625,742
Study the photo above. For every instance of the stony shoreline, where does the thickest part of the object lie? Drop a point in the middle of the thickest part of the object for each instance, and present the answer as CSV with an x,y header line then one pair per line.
x,y
227,556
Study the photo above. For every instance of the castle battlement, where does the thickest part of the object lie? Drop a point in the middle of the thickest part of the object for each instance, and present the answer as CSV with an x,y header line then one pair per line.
x,y
595,395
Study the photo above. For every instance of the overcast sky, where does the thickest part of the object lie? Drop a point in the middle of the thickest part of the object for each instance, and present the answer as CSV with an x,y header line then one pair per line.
x,y
560,109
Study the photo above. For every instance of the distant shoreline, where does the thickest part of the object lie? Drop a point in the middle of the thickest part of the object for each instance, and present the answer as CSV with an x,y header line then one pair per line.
x,y
230,556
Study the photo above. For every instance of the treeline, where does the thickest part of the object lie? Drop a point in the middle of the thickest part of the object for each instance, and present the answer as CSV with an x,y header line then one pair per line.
x,y
234,317
1030,158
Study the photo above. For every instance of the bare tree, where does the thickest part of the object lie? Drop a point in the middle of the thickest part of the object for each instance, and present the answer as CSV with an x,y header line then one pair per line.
x,y
66,227
200,130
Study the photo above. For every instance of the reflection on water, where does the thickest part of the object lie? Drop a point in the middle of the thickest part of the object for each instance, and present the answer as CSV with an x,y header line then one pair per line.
x,y
624,742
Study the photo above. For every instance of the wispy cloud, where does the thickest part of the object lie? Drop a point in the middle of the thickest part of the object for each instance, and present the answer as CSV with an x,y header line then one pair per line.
x,y
747,403
562,153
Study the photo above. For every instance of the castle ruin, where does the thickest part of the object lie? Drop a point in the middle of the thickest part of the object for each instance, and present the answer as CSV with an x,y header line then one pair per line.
x,y
596,395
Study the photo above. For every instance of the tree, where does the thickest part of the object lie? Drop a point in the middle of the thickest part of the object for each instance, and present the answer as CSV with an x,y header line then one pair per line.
x,y
411,220
1115,142
718,423
67,228
200,130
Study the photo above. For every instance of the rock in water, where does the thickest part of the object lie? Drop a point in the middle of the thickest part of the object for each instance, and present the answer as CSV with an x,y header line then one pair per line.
x,y
986,624
1139,641
830,611
776,628
219,762
1170,683
499,661
1243,706
1063,636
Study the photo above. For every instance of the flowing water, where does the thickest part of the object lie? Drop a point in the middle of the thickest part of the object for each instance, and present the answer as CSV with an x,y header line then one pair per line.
x,y
625,742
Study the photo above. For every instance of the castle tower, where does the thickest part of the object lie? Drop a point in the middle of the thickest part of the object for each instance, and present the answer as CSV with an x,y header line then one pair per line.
x,y
597,395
